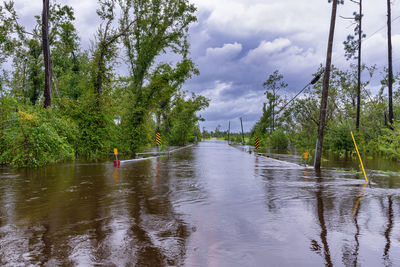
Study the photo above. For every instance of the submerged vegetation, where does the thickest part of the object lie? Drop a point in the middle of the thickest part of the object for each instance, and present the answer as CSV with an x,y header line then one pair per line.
x,y
77,104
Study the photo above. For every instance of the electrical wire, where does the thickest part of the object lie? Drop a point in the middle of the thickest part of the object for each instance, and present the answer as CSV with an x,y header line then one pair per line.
x,y
312,82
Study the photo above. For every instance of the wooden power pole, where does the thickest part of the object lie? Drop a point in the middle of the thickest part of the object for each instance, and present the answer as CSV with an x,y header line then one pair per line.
x,y
241,123
46,55
390,65
229,132
325,88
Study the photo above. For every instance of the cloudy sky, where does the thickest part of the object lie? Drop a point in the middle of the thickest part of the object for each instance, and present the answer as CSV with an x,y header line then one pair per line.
x,y
236,44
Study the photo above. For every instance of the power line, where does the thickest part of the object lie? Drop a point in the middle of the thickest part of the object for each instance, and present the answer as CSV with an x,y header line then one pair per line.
x,y
396,18
318,76
314,81
370,36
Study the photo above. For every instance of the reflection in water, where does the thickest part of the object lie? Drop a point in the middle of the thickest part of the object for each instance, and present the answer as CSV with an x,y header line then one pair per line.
x,y
351,253
388,232
74,214
321,219
210,205
116,174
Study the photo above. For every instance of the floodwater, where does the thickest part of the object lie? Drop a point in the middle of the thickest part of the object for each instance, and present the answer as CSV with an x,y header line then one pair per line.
x,y
208,205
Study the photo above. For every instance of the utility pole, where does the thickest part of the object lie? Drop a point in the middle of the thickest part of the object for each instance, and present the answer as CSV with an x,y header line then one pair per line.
x,y
241,123
390,65
359,69
229,131
46,55
325,88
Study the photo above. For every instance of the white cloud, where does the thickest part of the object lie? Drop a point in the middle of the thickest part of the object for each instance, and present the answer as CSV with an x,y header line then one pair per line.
x,y
248,106
266,49
228,51
214,93
87,21
246,18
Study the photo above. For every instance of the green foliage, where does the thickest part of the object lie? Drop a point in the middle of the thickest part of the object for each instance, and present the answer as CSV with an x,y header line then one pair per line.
x,y
351,45
94,123
184,123
159,26
137,129
274,84
338,138
237,138
388,143
94,110
279,140
37,138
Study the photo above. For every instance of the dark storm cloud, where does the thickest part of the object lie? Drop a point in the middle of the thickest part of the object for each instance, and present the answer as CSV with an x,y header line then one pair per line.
x,y
233,71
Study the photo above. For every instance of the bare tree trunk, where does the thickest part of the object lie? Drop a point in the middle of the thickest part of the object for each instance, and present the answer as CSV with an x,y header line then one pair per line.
x,y
359,70
46,55
325,88
390,85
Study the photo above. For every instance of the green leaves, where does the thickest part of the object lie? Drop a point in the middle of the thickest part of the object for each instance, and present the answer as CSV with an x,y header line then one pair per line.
x,y
94,110
37,138
184,119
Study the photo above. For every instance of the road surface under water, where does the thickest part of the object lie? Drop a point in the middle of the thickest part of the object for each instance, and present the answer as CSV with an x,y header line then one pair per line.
x,y
208,205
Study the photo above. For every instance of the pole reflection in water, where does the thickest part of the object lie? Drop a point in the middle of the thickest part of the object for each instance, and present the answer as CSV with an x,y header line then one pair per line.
x,y
115,174
388,232
350,252
320,214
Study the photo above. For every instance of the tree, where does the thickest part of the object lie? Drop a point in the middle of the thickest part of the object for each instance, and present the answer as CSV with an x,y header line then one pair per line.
x,y
351,47
105,50
7,27
274,84
325,89
169,81
184,122
390,64
161,25
67,59
46,55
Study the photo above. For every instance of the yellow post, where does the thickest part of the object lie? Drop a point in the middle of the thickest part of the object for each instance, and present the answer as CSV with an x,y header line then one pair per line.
x,y
358,153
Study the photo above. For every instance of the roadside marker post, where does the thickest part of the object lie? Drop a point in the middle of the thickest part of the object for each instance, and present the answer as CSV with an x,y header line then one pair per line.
x,y
116,161
256,143
158,140
305,157
358,153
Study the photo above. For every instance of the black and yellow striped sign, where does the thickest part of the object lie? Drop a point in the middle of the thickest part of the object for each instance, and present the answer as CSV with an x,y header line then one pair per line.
x,y
256,143
158,139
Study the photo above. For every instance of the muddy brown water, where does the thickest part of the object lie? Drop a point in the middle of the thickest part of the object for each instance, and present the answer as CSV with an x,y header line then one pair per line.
x,y
208,205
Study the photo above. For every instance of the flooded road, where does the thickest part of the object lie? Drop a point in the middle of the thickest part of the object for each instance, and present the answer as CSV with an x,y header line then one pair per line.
x,y
208,205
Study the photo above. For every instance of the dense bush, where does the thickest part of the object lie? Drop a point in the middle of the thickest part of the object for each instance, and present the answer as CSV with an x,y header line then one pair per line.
x,y
183,124
279,140
388,144
338,139
94,126
35,138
